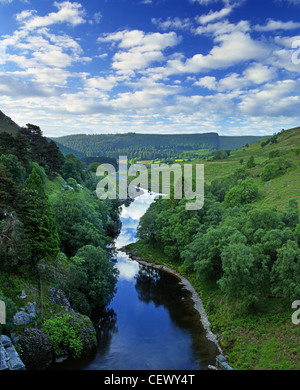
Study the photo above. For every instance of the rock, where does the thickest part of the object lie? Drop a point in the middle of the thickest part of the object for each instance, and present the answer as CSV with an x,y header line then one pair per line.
x,y
62,357
59,297
14,363
9,358
5,341
22,318
31,309
3,359
15,338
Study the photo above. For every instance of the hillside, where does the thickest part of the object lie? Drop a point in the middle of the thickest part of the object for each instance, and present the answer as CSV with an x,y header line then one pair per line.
x,y
276,191
7,125
66,150
150,146
241,251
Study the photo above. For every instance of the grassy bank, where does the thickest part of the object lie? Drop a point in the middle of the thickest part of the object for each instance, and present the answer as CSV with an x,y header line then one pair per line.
x,y
265,340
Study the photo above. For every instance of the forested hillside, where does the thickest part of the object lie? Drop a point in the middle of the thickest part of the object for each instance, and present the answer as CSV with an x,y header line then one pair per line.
x,y
54,239
153,146
242,250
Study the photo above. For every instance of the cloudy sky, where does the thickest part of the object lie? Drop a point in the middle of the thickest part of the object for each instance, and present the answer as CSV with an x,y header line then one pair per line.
x,y
151,66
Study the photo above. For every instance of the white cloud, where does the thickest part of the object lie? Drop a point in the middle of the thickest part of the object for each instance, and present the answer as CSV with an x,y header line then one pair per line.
x,y
208,82
274,100
173,23
223,27
70,13
211,16
273,25
232,49
139,49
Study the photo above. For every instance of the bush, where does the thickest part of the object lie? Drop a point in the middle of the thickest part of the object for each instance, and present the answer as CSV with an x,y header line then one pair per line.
x,y
270,171
35,349
246,191
71,332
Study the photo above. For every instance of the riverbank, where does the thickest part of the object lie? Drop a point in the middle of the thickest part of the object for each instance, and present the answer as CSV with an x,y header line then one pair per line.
x,y
198,304
262,340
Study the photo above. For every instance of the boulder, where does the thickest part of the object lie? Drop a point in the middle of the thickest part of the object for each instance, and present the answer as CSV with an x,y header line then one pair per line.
x,y
3,359
9,358
22,318
14,362
5,341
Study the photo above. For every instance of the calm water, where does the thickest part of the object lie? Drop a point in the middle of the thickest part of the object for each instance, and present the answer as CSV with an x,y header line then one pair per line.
x,y
151,323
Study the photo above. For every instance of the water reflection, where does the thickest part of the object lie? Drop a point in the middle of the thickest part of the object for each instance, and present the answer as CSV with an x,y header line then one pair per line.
x,y
127,269
130,217
151,323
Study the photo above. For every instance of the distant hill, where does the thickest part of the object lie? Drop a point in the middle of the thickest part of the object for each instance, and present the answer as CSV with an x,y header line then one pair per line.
x,y
7,125
113,145
66,150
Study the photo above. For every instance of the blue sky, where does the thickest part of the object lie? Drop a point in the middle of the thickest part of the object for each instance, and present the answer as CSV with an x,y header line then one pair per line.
x,y
151,66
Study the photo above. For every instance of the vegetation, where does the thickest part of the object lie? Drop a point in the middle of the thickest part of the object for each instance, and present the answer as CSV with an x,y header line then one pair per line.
x,y
54,232
35,349
240,252
142,147
71,332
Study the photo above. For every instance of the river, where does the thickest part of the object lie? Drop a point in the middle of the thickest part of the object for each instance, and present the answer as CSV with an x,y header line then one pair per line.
x,y
151,324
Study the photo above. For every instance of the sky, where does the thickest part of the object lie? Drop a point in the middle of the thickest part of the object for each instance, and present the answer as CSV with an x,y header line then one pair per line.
x,y
151,66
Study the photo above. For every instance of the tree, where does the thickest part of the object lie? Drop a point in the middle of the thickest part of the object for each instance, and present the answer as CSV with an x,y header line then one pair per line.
x,y
94,275
13,245
286,271
40,228
251,162
74,168
270,171
79,222
244,275
8,191
246,191
55,158
13,166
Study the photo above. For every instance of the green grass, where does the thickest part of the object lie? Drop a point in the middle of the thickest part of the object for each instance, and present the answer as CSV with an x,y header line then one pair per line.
x,y
7,128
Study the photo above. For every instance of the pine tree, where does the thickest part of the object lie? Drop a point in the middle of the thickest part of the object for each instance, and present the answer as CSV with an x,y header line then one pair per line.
x,y
7,189
39,223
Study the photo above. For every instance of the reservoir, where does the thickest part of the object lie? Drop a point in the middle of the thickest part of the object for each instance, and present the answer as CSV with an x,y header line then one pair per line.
x,y
151,323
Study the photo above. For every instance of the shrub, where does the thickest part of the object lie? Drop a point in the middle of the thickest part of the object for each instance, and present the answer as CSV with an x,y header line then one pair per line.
x,y
35,349
71,332
270,171
246,191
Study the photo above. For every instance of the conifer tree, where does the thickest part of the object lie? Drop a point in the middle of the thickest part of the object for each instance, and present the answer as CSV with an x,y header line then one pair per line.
x,y
39,223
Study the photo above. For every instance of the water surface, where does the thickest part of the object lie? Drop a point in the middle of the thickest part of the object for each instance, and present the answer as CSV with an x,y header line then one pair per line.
x,y
151,323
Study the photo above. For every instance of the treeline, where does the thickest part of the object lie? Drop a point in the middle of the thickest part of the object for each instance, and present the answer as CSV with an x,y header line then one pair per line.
x,y
140,147
52,224
251,253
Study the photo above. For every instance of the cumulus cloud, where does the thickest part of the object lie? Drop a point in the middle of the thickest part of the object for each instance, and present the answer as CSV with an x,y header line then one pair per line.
x,y
70,13
138,49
